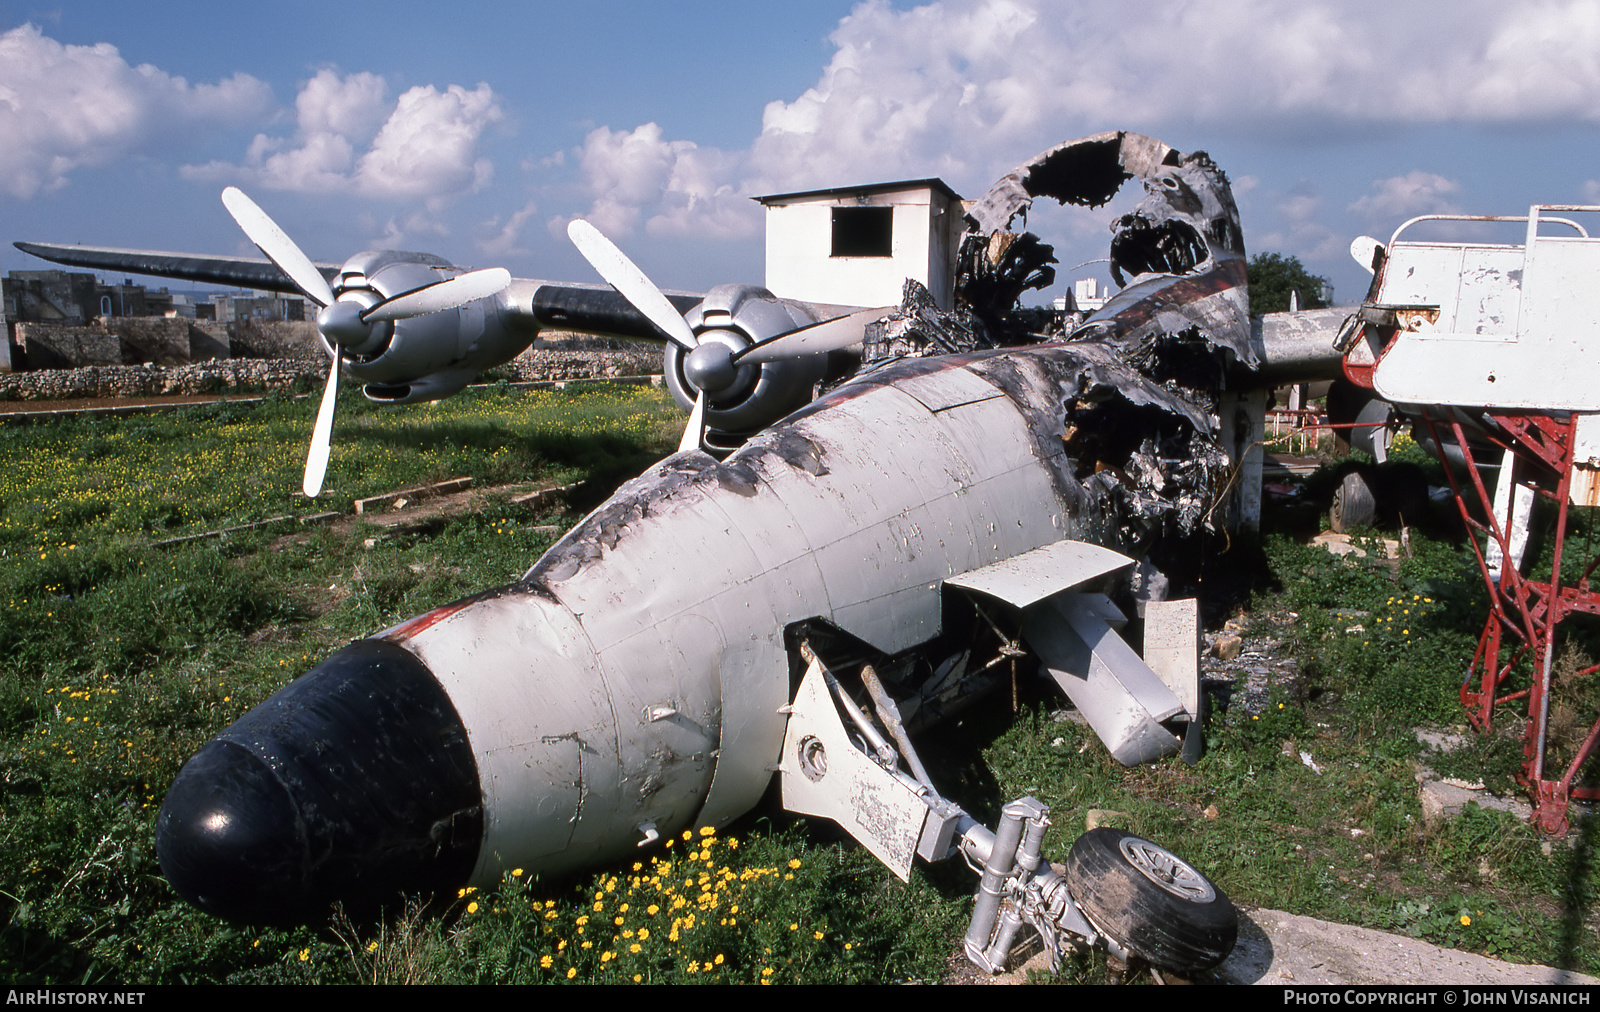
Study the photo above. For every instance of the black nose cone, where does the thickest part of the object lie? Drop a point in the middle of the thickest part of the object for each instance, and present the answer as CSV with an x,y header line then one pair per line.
x,y
354,783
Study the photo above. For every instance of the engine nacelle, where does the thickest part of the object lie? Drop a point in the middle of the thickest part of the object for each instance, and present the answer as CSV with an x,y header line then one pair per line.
x,y
424,358
739,316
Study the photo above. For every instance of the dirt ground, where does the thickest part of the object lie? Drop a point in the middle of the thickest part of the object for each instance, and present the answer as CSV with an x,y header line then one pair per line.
x,y
115,403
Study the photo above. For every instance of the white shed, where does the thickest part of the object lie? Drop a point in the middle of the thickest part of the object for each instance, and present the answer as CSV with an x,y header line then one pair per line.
x,y
856,245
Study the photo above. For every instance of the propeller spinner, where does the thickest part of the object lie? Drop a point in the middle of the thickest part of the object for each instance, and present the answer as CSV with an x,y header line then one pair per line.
x,y
712,364
347,324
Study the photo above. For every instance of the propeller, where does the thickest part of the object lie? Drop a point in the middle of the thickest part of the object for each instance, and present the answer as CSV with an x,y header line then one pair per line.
x,y
711,366
348,324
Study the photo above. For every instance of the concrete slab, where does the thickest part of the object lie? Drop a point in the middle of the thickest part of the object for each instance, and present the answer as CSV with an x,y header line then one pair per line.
x,y
1279,948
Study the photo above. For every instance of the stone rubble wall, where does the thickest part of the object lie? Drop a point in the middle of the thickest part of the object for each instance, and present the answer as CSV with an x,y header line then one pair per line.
x,y
556,360
130,340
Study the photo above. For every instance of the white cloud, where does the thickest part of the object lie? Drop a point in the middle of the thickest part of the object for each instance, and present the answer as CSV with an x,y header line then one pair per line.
x,y
1400,197
66,107
352,138
949,87
353,107
965,89
685,188
1296,227
503,242
428,145
400,233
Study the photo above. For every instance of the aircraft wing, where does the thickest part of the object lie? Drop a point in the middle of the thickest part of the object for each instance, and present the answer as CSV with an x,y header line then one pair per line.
x,y
589,308
243,272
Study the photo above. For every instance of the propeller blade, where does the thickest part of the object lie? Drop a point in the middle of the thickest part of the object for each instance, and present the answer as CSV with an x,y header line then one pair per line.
x,y
621,273
442,295
839,332
693,432
322,435
278,247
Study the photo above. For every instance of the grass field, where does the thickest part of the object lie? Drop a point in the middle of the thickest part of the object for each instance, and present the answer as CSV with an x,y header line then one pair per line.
x,y
118,660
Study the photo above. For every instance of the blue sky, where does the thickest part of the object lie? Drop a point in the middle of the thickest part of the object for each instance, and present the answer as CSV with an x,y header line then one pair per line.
x,y
477,130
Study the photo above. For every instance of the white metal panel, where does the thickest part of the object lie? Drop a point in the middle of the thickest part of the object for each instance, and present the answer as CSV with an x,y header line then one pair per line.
x,y
948,388
1172,648
1477,287
1033,576
966,494
527,743
1122,699
1516,328
871,803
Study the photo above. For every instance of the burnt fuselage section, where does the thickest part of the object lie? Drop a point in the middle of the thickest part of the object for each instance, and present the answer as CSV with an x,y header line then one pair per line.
x,y
636,681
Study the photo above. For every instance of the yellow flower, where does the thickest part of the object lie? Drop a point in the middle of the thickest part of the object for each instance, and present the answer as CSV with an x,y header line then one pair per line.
x,y
516,873
794,862
817,935
606,957
652,909
472,907
372,946
305,954
794,927
719,959
572,971
545,961
1465,921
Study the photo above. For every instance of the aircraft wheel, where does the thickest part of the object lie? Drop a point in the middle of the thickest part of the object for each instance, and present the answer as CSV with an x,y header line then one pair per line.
x,y
1151,902
1353,505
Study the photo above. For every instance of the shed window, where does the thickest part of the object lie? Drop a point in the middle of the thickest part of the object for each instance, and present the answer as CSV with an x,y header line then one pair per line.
x,y
863,231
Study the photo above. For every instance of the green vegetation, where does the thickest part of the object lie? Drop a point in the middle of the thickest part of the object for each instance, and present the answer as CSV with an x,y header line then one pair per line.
x,y
1273,277
118,660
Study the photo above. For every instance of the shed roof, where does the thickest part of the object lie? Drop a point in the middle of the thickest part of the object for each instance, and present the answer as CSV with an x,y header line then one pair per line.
x,y
863,190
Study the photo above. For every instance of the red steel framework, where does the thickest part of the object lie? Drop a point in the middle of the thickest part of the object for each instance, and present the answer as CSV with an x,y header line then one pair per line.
x,y
1525,613
1442,323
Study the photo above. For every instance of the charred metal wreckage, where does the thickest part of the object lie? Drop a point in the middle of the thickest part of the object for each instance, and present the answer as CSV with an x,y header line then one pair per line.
x,y
849,575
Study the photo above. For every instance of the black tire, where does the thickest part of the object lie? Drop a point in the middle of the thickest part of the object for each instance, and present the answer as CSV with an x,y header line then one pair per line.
x,y
1353,505
1151,902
